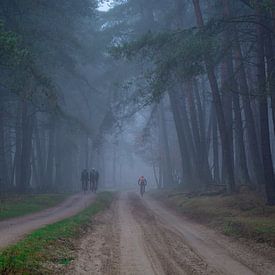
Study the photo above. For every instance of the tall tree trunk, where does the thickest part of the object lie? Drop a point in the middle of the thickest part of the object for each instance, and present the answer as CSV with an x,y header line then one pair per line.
x,y
35,179
168,168
86,150
227,105
263,106
27,131
40,168
270,60
252,137
194,131
185,155
230,181
114,165
59,173
199,138
3,164
215,146
9,157
50,156
102,166
205,135
160,171
240,154
18,145
155,176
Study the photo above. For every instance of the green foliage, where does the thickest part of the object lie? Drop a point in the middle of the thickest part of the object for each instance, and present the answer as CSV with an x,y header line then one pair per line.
x,y
268,5
10,52
53,48
51,245
264,4
175,55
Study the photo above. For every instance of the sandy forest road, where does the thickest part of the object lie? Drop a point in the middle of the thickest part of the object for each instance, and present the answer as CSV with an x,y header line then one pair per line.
x,y
139,236
12,230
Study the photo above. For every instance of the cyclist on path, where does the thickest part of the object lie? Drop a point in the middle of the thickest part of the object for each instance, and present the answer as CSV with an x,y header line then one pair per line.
x,y
142,182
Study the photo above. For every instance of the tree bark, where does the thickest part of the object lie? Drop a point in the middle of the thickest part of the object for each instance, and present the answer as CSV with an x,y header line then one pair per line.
x,y
240,154
18,145
205,133
50,156
202,166
40,168
230,180
168,168
227,104
27,131
263,106
215,145
251,132
185,155
3,163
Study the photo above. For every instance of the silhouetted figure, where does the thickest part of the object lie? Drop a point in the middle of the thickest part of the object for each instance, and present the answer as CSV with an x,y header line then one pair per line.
x,y
94,176
84,179
142,182
91,180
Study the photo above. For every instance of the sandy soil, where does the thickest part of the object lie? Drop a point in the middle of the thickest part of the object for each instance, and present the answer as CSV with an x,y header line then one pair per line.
x,y
12,230
99,250
140,236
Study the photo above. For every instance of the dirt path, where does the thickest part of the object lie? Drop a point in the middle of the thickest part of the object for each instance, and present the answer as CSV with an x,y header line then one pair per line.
x,y
12,230
139,236
98,251
220,253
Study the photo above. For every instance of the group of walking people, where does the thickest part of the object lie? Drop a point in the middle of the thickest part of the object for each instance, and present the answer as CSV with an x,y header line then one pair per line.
x,y
89,180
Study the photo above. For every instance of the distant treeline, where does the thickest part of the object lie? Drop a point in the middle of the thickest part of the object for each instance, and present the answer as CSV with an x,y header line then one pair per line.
x,y
48,127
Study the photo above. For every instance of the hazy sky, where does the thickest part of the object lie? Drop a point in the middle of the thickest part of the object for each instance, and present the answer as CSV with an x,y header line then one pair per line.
x,y
105,6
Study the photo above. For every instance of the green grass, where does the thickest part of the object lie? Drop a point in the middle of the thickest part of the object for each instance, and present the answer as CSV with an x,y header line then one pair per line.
x,y
19,205
52,247
243,215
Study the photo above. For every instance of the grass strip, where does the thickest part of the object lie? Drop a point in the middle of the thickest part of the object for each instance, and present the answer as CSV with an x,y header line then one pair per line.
x,y
51,247
243,215
19,205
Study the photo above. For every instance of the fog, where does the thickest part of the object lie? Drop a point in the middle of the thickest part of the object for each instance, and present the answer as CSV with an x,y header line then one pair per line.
x,y
180,92
135,135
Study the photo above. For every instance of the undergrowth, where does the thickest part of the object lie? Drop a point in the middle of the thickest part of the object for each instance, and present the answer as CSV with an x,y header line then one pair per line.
x,y
243,215
19,205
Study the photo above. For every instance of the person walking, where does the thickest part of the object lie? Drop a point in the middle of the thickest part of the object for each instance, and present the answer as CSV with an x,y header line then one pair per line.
x,y
84,180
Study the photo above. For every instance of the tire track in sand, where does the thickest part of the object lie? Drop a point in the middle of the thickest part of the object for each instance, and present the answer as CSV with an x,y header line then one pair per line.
x,y
139,236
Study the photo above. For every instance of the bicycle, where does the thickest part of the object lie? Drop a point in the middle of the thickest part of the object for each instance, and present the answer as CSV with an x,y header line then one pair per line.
x,y
142,189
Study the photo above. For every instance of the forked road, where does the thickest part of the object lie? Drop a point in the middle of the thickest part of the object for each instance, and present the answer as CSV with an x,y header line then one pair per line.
x,y
140,236
14,229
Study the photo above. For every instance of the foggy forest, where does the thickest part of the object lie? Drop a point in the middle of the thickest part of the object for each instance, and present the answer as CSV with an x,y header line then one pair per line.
x,y
149,122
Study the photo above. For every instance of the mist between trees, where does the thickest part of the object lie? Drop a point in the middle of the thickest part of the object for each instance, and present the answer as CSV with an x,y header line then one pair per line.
x,y
181,91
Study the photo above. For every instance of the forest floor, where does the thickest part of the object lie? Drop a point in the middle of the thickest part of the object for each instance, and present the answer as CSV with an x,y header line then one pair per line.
x,y
12,206
244,215
14,229
141,236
